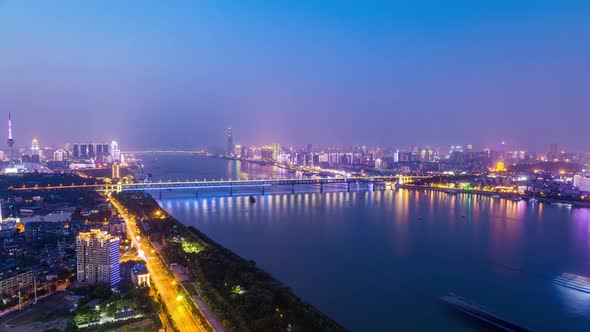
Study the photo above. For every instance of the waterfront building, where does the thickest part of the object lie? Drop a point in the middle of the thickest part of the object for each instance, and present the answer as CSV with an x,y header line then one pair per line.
x,y
266,152
230,142
582,183
97,257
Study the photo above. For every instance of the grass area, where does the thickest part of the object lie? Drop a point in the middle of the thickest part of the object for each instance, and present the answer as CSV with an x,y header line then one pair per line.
x,y
192,247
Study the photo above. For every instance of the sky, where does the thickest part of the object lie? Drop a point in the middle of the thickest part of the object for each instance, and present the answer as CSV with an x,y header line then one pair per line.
x,y
176,74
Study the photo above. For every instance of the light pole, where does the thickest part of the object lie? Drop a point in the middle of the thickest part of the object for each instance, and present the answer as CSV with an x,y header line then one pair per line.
x,y
35,285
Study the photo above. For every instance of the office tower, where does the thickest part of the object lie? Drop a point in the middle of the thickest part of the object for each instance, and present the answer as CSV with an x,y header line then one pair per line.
x,y
91,150
97,257
308,148
115,152
35,147
10,142
276,150
99,153
105,150
230,142
83,151
76,151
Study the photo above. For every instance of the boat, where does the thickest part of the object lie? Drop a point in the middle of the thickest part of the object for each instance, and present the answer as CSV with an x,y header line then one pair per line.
x,y
533,200
567,205
516,199
495,196
475,311
252,199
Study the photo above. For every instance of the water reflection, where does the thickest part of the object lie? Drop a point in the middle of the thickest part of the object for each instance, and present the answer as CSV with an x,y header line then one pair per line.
x,y
498,251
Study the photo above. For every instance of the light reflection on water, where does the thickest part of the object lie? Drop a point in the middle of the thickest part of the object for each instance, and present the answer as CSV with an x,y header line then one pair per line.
x,y
497,252
377,260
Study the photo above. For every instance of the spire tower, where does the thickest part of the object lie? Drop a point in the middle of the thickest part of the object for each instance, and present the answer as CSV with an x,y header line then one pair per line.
x,y
10,141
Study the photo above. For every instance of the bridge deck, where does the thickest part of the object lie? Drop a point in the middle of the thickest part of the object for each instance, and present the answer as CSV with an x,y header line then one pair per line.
x,y
222,183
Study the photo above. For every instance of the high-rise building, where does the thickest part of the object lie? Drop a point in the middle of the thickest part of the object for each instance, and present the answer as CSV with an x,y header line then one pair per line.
x,y
35,147
76,151
83,151
97,257
553,154
266,152
105,150
99,153
91,153
115,152
59,155
309,148
115,171
10,142
276,150
230,142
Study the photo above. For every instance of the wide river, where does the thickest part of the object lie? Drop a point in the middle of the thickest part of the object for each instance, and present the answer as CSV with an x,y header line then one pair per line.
x,y
381,261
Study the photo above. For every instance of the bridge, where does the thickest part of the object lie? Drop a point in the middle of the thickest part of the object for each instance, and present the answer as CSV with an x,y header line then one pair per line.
x,y
229,184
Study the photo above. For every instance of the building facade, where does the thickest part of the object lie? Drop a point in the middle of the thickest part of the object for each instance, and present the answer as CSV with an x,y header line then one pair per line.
x,y
97,257
12,283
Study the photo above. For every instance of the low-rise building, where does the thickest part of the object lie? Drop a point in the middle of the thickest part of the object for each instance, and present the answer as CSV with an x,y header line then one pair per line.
x,y
11,282
140,275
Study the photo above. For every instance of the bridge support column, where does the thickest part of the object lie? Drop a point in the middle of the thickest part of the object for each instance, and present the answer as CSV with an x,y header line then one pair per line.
x,y
262,190
231,191
347,187
196,193
292,188
374,186
321,187
160,195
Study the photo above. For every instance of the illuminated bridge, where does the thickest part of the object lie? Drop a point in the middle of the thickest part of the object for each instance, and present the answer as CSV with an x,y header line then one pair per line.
x,y
230,184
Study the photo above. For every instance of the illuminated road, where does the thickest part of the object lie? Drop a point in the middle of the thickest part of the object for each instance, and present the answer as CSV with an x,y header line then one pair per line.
x,y
161,280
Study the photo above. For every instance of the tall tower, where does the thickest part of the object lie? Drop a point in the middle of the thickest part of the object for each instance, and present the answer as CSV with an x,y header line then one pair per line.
x,y
230,142
10,141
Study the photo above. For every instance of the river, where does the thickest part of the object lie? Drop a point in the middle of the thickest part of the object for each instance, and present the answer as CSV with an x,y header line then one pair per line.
x,y
382,260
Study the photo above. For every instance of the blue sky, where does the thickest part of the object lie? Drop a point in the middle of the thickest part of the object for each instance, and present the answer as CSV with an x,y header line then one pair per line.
x,y
177,73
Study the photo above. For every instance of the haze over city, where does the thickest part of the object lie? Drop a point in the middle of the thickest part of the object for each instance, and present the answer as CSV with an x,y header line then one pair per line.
x,y
176,74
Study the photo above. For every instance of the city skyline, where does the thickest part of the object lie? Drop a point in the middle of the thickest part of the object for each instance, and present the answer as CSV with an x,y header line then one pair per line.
x,y
374,73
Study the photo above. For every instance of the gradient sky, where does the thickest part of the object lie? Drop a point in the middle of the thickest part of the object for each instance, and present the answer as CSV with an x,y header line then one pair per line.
x,y
157,74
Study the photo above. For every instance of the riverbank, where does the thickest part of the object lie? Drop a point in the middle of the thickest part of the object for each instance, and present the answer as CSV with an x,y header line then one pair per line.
x,y
492,193
242,296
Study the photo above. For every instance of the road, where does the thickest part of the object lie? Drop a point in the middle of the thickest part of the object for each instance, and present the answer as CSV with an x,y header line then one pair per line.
x,y
160,278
